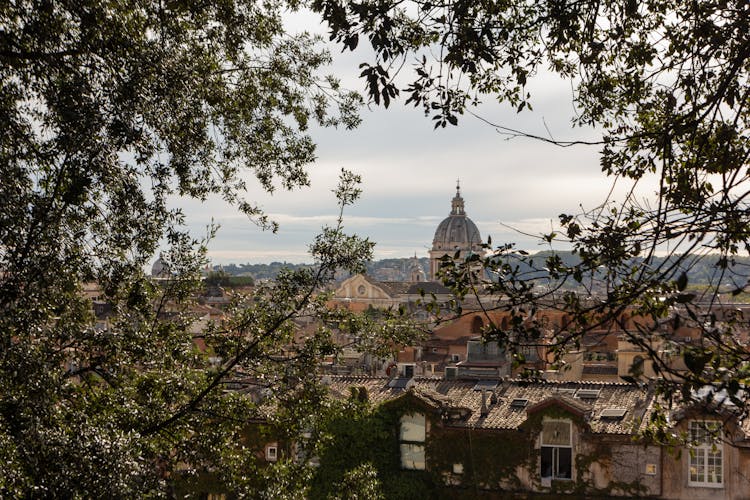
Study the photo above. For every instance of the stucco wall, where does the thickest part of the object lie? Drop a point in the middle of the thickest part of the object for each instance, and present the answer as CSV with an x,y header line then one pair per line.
x,y
736,477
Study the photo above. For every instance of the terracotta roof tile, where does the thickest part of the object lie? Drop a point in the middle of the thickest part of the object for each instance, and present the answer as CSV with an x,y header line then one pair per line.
x,y
394,288
457,394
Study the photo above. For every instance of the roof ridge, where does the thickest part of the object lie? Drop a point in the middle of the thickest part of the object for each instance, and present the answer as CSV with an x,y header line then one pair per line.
x,y
542,381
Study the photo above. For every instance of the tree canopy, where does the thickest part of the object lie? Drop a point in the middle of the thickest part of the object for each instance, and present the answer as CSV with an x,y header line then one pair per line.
x,y
666,83
110,111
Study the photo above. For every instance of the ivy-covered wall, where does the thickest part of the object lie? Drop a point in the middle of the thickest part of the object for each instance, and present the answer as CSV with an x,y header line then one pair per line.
x,y
368,435
473,459
250,454
498,460
474,463
616,466
462,463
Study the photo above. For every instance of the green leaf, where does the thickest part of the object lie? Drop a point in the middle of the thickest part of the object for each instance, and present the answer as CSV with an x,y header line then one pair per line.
x,y
682,282
684,298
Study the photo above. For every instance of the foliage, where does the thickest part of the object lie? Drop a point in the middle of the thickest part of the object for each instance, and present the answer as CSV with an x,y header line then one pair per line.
x,y
475,449
666,84
260,271
220,278
374,268
359,483
110,111
362,436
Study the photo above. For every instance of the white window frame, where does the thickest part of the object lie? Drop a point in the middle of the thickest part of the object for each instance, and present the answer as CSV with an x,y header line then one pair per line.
x,y
412,436
706,454
272,452
556,447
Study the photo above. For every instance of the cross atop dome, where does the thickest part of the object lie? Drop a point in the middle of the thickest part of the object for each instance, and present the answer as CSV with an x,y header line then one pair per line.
x,y
457,204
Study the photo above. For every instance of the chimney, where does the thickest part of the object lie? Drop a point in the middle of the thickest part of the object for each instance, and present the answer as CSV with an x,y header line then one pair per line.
x,y
484,411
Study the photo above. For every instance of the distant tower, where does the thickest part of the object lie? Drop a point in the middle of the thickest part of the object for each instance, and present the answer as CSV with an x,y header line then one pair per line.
x,y
416,273
457,233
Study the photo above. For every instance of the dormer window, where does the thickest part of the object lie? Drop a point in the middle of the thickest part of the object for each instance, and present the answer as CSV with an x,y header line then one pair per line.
x,y
411,440
557,450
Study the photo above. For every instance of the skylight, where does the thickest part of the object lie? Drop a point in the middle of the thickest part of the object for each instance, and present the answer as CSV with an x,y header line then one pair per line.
x,y
613,413
588,393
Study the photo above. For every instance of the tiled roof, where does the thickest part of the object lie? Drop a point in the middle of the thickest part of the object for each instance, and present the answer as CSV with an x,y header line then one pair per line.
x,y
394,288
377,387
429,287
435,341
457,394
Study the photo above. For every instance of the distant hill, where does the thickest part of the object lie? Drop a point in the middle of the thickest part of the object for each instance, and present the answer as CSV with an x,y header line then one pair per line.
x,y
258,271
702,272
385,270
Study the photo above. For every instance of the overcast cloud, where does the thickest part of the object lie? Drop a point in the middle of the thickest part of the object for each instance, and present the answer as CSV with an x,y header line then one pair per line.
x,y
409,174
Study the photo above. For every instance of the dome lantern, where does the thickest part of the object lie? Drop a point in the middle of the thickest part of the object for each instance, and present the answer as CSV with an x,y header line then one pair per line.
x,y
457,204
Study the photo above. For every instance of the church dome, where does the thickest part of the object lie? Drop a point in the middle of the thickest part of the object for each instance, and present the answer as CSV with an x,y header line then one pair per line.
x,y
159,269
457,231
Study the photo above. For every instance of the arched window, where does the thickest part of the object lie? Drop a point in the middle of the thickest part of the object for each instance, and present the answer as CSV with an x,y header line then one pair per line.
x,y
625,322
477,324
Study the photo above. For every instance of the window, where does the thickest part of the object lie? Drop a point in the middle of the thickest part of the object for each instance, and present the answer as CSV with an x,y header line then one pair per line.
x,y
530,353
412,438
478,350
557,452
271,452
477,324
636,368
706,460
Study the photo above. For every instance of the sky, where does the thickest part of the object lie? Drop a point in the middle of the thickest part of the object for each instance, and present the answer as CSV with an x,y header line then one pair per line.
x,y
409,172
